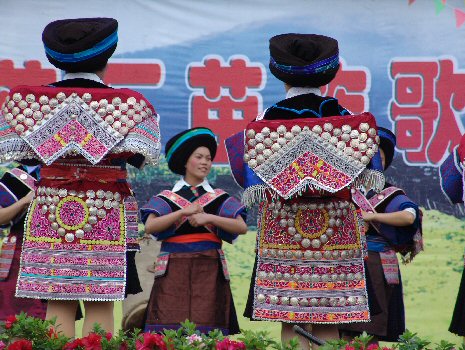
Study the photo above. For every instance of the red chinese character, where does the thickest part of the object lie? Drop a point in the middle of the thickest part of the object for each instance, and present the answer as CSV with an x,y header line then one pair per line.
x,y
350,87
226,103
425,125
135,73
450,93
31,74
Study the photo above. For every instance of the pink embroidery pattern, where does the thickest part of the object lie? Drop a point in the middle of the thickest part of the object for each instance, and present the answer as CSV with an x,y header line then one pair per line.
x,y
310,262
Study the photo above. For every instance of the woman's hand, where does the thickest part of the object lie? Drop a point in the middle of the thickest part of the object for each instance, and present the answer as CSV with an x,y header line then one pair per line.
x,y
27,199
192,209
199,219
368,217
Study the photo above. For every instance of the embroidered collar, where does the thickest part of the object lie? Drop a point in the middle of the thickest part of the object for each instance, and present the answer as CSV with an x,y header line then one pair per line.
x,y
181,183
296,91
83,75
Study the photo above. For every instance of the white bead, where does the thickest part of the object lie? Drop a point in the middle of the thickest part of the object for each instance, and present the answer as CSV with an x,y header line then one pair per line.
x,y
296,129
346,129
317,129
337,132
267,153
43,99
316,243
281,129
259,137
281,141
328,126
354,143
276,147
87,97
348,151
288,136
266,131
252,142
268,142
274,135
325,136
252,163
259,147
354,134
364,127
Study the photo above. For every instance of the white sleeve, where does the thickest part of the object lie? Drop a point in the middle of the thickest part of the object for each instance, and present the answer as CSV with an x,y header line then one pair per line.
x,y
412,211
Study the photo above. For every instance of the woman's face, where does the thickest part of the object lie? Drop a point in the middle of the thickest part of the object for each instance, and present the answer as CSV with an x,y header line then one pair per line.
x,y
199,164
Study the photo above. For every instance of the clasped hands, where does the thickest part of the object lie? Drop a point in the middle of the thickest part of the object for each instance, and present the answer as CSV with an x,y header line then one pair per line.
x,y
195,215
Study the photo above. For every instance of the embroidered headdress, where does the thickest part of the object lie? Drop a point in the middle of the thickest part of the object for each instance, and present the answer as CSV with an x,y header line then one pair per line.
x,y
179,148
304,59
82,44
387,144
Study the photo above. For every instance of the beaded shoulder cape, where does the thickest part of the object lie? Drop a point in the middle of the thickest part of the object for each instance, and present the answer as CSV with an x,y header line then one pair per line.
x,y
46,123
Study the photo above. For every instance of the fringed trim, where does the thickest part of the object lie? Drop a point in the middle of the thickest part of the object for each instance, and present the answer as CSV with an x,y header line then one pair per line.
x,y
255,194
15,149
370,180
416,249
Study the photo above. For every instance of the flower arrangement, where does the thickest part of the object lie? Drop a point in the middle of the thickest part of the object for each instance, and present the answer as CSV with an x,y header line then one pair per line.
x,y
28,333
22,332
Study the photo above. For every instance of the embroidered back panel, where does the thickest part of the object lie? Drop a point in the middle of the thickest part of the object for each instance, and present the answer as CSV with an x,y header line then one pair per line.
x,y
75,245
310,262
321,153
56,121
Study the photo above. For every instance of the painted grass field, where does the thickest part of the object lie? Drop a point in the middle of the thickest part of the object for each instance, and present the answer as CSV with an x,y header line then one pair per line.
x,y
430,282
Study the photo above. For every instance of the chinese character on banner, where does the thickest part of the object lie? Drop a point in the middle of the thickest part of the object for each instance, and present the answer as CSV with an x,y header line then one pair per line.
x,y
427,98
31,73
135,73
225,97
350,86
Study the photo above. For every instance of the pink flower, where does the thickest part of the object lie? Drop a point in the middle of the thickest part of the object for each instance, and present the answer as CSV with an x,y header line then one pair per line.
x,y
373,347
194,338
9,321
92,342
108,336
73,345
2,345
151,341
227,344
21,344
348,347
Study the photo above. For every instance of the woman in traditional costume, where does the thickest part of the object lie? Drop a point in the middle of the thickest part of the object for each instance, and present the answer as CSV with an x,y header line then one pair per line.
x,y
83,220
191,221
394,226
298,161
451,179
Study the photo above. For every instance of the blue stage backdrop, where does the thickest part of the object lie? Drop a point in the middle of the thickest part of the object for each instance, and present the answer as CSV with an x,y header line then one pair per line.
x,y
205,63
